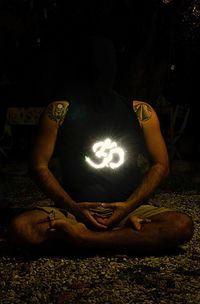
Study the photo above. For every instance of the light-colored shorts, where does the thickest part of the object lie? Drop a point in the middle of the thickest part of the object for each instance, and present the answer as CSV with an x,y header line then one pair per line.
x,y
144,211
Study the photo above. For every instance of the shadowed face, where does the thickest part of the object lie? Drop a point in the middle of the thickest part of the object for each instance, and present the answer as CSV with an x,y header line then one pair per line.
x,y
103,60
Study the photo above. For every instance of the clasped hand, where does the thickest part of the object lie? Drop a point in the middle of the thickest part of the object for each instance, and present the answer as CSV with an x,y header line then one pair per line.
x,y
84,212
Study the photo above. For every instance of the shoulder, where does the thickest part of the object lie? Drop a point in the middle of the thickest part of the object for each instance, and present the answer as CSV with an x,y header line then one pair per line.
x,y
56,111
145,112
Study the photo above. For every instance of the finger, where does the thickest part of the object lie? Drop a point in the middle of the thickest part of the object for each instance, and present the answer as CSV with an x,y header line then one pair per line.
x,y
136,223
108,205
94,222
111,221
138,226
88,205
146,220
101,220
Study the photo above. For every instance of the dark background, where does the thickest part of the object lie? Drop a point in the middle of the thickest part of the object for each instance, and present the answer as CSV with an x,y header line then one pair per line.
x,y
45,49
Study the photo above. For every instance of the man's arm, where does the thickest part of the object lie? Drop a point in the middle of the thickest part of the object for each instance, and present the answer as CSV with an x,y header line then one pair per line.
x,y
157,149
42,151
156,173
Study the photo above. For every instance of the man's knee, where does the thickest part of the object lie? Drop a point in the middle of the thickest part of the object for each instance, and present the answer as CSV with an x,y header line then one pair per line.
x,y
181,226
18,224
185,227
22,231
175,228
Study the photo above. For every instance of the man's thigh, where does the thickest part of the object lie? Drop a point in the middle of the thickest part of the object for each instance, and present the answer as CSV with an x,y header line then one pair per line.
x,y
145,212
48,214
58,213
38,215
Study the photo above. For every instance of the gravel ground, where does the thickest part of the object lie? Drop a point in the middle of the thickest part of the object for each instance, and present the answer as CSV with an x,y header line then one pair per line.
x,y
39,277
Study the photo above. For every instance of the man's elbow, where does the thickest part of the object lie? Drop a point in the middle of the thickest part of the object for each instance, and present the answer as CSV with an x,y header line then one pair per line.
x,y
165,170
35,169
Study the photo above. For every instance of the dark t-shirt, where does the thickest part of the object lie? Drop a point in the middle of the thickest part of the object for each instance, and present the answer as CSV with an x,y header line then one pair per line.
x,y
101,148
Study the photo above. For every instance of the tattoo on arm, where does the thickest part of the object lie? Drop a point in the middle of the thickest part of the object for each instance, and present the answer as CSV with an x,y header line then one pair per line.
x,y
143,111
57,112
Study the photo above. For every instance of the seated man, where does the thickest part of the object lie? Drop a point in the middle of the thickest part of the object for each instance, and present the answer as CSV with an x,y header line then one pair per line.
x,y
102,201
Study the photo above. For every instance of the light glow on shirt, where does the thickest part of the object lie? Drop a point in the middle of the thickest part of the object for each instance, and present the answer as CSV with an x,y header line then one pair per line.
x,y
105,150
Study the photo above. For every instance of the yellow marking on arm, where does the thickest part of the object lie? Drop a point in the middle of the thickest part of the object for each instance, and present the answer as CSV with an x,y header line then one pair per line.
x,y
56,111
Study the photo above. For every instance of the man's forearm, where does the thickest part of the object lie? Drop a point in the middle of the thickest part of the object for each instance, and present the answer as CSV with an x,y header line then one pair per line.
x,y
148,185
51,187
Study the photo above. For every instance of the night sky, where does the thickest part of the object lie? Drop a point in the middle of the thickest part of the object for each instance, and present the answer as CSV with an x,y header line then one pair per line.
x,y
45,49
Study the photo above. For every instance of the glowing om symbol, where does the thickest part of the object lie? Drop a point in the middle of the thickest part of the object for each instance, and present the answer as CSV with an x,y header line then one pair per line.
x,y
100,148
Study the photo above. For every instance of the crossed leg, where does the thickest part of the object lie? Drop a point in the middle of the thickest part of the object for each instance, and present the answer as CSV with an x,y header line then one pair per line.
x,y
165,231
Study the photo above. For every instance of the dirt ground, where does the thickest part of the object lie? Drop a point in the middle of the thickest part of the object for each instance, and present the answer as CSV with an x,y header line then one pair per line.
x,y
28,276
